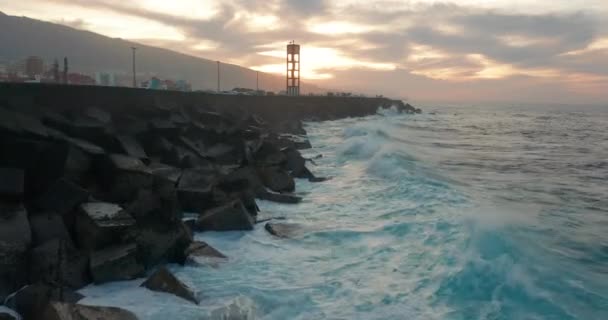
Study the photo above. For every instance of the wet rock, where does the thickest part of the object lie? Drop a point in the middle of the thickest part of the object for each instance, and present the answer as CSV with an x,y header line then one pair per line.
x,y
276,179
159,243
279,197
202,249
48,226
116,263
11,183
231,216
269,155
283,230
70,311
130,146
245,178
58,262
15,238
31,300
195,189
296,164
99,224
164,281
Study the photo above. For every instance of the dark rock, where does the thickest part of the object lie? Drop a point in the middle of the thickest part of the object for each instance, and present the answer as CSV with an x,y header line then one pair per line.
x,y
277,179
99,224
130,146
62,197
48,226
159,243
69,311
164,281
232,216
11,183
167,172
122,176
279,197
164,127
283,230
42,161
30,301
15,238
58,262
115,264
318,179
245,178
7,316
269,155
98,114
202,249
195,189
296,164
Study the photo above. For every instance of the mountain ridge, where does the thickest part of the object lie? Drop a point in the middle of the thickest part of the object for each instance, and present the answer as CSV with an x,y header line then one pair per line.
x,y
89,52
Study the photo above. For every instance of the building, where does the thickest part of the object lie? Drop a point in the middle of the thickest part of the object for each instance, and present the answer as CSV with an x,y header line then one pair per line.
x,y
34,66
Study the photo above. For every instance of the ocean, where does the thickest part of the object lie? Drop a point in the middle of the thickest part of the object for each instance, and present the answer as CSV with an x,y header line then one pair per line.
x,y
458,213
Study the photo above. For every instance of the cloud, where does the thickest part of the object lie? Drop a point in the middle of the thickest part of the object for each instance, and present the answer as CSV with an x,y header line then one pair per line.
x,y
447,41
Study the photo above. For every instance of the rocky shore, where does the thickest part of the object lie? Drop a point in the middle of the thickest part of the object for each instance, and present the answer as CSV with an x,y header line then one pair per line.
x,y
94,195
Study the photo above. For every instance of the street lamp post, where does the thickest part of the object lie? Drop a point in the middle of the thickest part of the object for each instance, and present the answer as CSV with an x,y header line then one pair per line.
x,y
134,77
218,77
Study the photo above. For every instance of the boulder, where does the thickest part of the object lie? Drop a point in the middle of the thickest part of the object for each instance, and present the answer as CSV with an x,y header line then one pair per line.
x,y
159,243
283,230
11,183
122,176
62,197
276,179
31,300
195,189
164,281
269,155
231,216
116,263
202,249
70,311
99,224
296,164
58,262
279,197
130,146
15,238
48,226
42,162
7,315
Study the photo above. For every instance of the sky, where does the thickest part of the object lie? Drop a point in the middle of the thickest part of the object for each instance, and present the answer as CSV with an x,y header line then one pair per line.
x,y
553,51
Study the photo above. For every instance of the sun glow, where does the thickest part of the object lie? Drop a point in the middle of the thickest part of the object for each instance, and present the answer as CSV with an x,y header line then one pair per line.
x,y
318,62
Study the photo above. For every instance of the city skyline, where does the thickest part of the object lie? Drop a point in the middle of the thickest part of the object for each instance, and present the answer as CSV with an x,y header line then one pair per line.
x,y
553,51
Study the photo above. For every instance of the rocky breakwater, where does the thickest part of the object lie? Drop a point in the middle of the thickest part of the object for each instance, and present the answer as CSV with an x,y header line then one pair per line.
x,y
91,196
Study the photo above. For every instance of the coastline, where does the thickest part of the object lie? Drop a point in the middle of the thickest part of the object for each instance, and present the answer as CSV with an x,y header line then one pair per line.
x,y
94,192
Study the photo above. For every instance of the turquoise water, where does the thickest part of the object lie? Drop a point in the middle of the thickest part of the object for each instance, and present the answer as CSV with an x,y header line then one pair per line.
x,y
462,213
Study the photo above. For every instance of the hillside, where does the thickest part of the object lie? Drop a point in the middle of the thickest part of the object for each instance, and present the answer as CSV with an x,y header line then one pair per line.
x,y
89,52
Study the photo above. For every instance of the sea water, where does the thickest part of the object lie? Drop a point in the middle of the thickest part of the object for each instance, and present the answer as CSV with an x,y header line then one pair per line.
x,y
457,213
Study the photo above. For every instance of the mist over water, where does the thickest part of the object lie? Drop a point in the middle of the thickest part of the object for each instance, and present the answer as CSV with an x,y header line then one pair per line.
x,y
458,213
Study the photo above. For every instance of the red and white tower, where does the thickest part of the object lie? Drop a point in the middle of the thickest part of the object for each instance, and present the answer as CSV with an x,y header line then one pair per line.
x,y
293,69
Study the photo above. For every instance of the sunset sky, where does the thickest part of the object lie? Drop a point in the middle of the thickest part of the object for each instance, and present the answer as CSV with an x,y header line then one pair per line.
x,y
465,50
